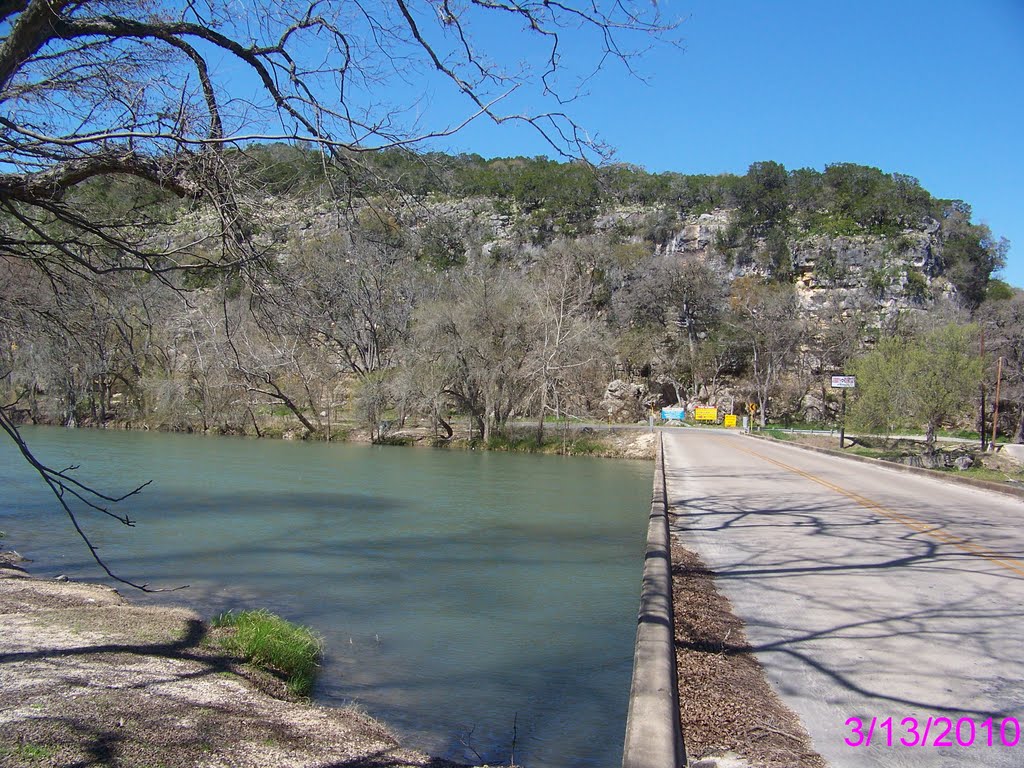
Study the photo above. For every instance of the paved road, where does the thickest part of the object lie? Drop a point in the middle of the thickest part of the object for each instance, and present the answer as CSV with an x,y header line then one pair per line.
x,y
867,593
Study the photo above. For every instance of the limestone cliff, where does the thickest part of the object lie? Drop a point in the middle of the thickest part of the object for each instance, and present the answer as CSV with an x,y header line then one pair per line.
x,y
895,273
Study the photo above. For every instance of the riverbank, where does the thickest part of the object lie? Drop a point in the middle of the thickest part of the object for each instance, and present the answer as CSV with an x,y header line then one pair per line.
x,y
88,679
560,439
607,443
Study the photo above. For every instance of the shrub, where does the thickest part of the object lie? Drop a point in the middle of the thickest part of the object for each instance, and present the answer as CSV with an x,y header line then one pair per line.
x,y
916,287
828,269
878,282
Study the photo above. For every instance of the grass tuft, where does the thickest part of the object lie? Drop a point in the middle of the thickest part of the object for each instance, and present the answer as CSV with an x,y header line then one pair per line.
x,y
270,642
33,753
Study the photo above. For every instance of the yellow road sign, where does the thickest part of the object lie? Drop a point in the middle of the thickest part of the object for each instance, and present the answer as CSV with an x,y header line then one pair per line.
x,y
705,414
730,420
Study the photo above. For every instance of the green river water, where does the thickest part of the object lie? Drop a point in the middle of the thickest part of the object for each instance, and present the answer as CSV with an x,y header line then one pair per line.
x,y
459,593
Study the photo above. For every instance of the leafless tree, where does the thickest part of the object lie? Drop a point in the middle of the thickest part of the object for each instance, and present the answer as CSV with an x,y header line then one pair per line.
x,y
836,331
198,386
683,298
1003,321
766,317
142,89
350,294
275,363
569,340
479,335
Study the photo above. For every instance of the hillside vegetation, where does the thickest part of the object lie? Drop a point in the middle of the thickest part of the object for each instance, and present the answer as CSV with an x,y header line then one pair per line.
x,y
437,288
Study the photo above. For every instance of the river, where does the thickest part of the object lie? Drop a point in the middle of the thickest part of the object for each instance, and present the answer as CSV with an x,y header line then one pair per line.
x,y
466,598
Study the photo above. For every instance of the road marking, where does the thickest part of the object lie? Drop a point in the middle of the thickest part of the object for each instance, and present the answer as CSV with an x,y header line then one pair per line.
x,y
928,529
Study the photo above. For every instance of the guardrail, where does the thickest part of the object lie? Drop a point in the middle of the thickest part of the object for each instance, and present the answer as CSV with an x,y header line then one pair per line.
x,y
654,738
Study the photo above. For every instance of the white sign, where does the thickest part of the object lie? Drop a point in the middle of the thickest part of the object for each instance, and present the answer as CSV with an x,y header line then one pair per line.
x,y
844,382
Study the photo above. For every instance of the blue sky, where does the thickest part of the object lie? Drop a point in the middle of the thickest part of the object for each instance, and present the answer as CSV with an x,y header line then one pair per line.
x,y
931,89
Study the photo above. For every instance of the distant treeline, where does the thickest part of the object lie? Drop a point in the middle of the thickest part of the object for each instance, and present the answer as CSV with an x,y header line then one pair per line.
x,y
845,198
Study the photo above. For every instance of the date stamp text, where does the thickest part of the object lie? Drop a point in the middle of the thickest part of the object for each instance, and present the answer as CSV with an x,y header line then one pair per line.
x,y
933,732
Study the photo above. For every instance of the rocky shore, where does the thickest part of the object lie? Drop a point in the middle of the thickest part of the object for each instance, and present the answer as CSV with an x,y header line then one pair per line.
x,y
87,679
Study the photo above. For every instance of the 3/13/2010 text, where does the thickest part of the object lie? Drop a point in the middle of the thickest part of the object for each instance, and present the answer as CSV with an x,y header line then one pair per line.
x,y
934,732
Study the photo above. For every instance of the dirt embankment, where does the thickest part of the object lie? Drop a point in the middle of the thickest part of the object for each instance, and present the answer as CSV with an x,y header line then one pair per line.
x,y
86,679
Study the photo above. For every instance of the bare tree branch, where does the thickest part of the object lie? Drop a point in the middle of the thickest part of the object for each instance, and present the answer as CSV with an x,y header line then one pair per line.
x,y
62,486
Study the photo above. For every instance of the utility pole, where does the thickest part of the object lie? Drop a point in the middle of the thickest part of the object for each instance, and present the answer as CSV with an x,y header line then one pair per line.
x,y
981,416
995,413
842,422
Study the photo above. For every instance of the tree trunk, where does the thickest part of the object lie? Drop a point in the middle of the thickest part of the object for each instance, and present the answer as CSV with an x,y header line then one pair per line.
x,y
698,380
488,422
106,399
982,432
290,404
540,420
33,403
70,405
929,437
255,424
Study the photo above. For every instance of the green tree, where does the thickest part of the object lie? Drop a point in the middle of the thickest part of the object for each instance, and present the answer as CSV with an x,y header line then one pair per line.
x,y
441,244
925,382
970,255
882,397
763,197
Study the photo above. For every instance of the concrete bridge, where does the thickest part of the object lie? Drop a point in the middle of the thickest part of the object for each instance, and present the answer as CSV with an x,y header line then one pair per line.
x,y
867,593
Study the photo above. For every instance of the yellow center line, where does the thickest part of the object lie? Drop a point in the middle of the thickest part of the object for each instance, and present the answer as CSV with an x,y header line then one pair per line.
x,y
928,529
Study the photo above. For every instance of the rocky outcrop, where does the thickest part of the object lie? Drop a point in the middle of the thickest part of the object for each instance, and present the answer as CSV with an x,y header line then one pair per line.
x,y
699,233
901,272
869,277
842,271
623,401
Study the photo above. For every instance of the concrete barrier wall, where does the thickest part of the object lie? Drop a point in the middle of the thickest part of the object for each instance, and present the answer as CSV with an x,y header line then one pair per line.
x,y
653,735
1014,450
